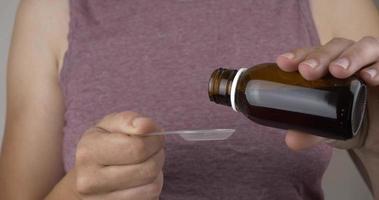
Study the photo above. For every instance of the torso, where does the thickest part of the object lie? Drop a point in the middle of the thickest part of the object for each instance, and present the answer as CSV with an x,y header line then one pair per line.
x,y
136,56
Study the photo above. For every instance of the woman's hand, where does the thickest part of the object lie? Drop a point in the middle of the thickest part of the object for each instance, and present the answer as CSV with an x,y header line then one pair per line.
x,y
342,58
113,160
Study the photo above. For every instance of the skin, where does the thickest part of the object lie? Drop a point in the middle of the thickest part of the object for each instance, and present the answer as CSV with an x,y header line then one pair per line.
x,y
35,109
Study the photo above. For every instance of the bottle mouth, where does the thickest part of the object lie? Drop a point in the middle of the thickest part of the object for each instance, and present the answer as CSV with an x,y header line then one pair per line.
x,y
220,85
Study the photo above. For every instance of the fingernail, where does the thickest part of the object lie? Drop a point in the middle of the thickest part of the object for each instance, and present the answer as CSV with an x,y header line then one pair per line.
x,y
371,72
137,121
311,63
289,55
342,62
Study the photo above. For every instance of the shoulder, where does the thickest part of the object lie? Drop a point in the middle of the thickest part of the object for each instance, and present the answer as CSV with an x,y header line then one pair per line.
x,y
351,19
47,21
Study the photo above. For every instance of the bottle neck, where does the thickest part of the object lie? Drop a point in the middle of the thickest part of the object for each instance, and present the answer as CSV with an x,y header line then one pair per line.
x,y
222,86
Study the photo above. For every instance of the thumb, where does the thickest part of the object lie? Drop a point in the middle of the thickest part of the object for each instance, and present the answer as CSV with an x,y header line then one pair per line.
x,y
127,122
297,140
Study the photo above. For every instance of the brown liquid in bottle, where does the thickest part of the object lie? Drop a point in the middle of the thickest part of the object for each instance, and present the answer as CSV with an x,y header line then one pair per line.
x,y
328,107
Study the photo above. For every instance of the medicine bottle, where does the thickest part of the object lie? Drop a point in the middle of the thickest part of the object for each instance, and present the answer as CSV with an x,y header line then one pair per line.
x,y
328,107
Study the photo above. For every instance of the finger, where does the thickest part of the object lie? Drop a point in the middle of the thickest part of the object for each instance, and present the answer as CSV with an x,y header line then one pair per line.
x,y
121,177
145,192
370,74
359,55
116,149
127,122
297,140
112,178
289,61
316,63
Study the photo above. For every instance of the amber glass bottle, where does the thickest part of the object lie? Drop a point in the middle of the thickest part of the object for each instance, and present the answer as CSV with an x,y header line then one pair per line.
x,y
327,107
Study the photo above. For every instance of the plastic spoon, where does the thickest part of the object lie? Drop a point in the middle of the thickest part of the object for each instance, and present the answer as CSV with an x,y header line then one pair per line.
x,y
199,135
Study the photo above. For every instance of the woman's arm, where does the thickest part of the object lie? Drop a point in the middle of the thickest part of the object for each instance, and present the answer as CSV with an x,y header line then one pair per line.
x,y
351,19
31,157
31,160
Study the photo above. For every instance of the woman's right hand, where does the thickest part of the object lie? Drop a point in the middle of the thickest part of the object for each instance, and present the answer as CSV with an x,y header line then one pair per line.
x,y
113,160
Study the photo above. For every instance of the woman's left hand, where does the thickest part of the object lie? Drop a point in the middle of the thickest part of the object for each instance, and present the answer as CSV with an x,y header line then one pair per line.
x,y
341,58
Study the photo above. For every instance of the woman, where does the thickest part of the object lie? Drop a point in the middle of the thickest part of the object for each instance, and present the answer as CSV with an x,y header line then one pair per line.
x,y
73,63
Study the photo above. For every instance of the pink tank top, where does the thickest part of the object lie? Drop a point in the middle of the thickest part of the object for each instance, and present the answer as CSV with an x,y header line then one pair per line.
x,y
155,58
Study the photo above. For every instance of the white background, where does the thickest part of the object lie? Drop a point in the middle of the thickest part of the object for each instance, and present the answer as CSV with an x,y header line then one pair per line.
x,y
341,180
